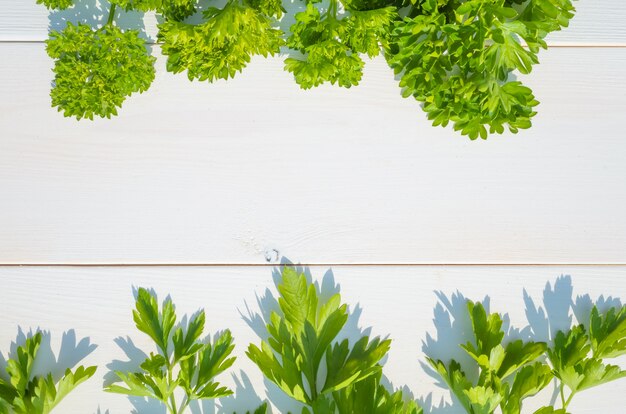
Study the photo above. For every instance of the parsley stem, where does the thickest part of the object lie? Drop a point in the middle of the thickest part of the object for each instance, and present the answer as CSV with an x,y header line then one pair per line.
x,y
569,400
111,14
184,404
332,8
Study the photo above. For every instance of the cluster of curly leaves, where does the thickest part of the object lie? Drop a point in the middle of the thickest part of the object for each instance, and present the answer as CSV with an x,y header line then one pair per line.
x,y
511,371
456,57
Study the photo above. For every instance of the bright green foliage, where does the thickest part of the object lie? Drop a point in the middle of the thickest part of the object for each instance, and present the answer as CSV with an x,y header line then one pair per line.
x,y
570,356
26,393
302,337
331,46
96,70
608,332
190,365
371,397
550,410
458,57
261,409
172,9
509,373
222,45
56,4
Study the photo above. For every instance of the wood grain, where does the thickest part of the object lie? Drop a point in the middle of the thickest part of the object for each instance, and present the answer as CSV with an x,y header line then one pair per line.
x,y
597,22
397,301
254,168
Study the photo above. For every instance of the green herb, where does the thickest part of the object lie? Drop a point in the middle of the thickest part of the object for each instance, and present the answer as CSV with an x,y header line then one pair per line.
x,y
302,339
96,70
261,409
222,45
577,356
509,373
56,4
456,57
183,361
171,9
26,393
331,45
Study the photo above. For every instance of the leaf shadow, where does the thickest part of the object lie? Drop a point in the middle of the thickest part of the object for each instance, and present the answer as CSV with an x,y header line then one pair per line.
x,y
95,13
69,355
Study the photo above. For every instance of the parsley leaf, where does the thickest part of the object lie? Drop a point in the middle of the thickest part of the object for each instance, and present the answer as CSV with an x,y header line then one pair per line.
x,y
608,332
371,397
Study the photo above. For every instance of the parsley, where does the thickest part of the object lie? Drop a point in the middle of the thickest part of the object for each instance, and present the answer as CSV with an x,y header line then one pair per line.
x,y
302,339
261,409
577,356
96,70
509,372
189,365
56,4
222,45
171,9
457,57
331,46
26,393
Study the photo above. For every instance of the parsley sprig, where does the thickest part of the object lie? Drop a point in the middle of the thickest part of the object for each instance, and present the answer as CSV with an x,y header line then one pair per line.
x,y
303,338
458,58
577,356
184,362
509,372
223,43
28,393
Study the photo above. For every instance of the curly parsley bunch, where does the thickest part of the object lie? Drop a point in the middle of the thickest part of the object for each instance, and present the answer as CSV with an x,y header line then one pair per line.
x,y
56,4
223,44
331,46
458,57
96,70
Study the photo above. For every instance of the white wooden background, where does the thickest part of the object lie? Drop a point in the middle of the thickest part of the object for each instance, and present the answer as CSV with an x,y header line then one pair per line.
x,y
247,171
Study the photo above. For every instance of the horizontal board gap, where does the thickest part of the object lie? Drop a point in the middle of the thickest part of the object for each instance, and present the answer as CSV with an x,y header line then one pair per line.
x,y
375,264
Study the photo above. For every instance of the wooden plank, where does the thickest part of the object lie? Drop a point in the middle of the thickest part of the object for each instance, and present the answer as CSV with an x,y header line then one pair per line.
x,y
598,22
397,301
238,171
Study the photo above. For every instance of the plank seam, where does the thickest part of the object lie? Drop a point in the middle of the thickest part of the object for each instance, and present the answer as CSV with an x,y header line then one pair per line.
x,y
375,264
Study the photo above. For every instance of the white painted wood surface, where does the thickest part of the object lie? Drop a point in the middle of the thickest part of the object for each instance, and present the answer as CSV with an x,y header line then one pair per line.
x,y
249,170
397,301
230,172
598,22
